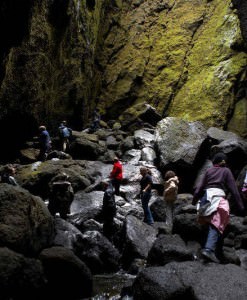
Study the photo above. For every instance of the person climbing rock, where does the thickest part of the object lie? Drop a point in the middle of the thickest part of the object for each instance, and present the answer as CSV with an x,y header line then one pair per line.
x,y
170,196
96,121
214,207
146,187
116,175
108,210
61,196
65,134
44,143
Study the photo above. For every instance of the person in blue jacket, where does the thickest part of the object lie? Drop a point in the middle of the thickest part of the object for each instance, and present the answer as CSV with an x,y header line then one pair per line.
x,y
44,143
65,134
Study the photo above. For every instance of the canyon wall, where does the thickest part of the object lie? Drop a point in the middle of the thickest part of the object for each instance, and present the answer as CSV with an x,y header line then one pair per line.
x,y
61,58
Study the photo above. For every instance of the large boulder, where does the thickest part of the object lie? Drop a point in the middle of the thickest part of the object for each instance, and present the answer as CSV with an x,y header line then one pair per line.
x,y
20,277
98,253
36,177
86,206
191,280
68,277
138,239
168,248
139,113
178,142
26,225
84,147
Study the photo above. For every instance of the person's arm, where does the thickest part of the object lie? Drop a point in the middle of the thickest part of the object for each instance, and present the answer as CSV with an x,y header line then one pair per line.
x,y
231,184
176,180
113,172
149,185
171,186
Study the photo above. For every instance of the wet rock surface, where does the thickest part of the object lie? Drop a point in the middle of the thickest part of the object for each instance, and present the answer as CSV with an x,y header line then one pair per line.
x,y
77,244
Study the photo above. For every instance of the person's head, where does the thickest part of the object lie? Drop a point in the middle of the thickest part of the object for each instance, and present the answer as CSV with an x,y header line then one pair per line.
x,y
169,174
64,123
219,159
42,128
10,170
115,159
144,171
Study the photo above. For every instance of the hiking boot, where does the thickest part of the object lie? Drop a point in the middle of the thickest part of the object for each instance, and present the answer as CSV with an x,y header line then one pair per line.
x,y
208,254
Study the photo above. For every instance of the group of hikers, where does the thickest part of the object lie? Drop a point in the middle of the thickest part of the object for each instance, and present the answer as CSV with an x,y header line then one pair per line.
x,y
210,195
45,144
64,134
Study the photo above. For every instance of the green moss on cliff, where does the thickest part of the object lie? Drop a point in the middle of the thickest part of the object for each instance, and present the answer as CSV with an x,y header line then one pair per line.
x,y
212,68
238,122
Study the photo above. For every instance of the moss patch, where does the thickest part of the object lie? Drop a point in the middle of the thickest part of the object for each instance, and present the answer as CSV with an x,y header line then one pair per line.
x,y
212,68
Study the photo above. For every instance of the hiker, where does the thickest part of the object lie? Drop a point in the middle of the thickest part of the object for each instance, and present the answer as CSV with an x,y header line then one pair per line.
x,y
170,196
44,143
116,174
61,196
65,134
214,208
96,120
8,175
146,187
108,210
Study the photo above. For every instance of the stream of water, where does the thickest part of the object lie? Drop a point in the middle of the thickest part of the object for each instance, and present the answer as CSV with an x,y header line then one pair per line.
x,y
109,286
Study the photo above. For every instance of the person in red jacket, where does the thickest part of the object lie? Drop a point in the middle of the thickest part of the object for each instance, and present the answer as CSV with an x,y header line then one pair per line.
x,y
116,175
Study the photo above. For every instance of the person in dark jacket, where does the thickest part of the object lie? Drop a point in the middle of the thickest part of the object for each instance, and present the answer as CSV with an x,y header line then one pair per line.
x,y
61,196
44,143
8,175
108,210
65,134
146,187
96,121
214,209
116,175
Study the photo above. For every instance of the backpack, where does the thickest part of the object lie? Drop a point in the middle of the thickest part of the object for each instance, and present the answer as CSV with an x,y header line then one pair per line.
x,y
64,132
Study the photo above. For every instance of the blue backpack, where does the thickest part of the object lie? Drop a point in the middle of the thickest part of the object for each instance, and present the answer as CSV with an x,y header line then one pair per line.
x,y
64,132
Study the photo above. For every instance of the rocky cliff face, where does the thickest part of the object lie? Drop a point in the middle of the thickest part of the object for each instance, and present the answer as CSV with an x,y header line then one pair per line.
x,y
186,58
47,64
60,58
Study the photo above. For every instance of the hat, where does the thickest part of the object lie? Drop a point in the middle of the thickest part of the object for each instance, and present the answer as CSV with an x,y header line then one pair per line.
x,y
219,157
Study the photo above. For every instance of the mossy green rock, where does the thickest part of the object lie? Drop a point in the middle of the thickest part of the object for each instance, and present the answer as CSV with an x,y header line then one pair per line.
x,y
238,122
182,57
212,67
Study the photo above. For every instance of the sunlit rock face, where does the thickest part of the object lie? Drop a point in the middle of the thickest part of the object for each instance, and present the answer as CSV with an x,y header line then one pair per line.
x,y
186,58
61,58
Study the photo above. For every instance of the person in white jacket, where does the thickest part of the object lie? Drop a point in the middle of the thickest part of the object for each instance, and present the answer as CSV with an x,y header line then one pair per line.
x,y
170,196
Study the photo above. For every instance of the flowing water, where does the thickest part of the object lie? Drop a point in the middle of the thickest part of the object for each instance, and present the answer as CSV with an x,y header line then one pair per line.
x,y
109,286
